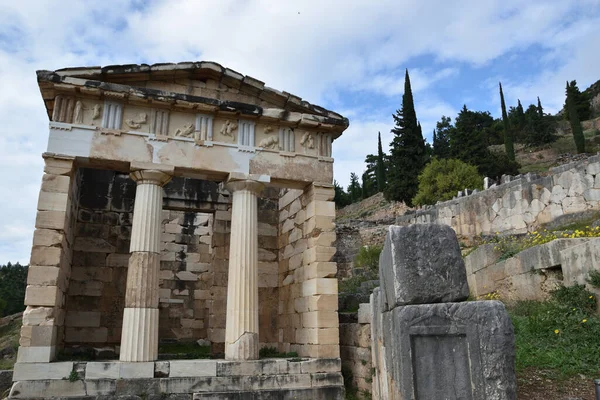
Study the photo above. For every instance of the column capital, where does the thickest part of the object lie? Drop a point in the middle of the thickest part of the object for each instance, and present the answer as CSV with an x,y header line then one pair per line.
x,y
250,182
150,176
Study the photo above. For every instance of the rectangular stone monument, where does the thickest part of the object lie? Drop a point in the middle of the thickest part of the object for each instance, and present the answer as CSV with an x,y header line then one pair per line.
x,y
443,350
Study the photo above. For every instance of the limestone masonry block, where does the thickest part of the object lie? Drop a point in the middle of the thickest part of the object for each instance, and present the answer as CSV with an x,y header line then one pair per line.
x,y
48,256
57,166
319,254
189,368
365,313
37,315
323,208
318,335
33,371
48,238
422,264
83,319
41,354
319,286
46,276
323,239
52,201
42,335
320,319
50,296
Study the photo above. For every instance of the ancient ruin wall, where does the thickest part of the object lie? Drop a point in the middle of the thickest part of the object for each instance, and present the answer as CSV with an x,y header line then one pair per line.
x,y
355,350
308,318
521,205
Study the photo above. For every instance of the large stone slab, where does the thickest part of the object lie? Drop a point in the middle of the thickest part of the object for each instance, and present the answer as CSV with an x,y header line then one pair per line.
x,y
422,264
468,347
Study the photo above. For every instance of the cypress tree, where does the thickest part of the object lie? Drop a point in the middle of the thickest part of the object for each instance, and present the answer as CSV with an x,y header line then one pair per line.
x,y
540,110
574,121
380,173
508,135
407,151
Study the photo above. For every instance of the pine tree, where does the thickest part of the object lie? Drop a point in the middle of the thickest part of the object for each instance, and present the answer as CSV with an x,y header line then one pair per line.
x,y
441,138
407,151
574,120
380,174
509,146
354,189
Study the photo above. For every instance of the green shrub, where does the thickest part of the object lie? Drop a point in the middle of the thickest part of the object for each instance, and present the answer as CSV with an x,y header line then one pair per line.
x,y
442,179
559,335
368,258
594,278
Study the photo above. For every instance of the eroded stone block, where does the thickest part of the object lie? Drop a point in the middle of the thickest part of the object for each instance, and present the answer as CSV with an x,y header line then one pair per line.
x,y
422,264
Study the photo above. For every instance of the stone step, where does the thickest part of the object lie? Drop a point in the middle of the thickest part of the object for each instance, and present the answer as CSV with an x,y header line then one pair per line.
x,y
321,393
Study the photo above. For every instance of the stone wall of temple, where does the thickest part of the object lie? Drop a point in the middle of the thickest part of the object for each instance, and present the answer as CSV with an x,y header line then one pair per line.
x,y
308,291
196,223
521,205
355,351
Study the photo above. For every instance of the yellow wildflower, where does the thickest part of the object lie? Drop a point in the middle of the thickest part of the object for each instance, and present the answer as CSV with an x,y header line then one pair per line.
x,y
556,331
584,321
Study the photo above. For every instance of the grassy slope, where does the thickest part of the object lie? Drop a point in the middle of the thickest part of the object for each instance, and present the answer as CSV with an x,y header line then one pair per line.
x,y
9,336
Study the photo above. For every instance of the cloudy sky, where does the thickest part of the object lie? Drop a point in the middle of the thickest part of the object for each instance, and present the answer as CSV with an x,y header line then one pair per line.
x,y
346,55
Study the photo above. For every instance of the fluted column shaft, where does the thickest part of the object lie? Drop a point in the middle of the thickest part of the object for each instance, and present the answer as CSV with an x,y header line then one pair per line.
x,y
241,327
139,338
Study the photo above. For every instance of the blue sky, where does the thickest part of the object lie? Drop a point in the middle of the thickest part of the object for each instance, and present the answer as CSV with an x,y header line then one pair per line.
x,y
346,55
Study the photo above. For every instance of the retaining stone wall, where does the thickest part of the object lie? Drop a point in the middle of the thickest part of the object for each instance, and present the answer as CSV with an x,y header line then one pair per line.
x,y
521,205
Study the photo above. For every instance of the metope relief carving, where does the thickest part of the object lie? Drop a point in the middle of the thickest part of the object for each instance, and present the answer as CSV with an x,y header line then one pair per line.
x,y
307,141
228,128
204,127
111,118
78,113
187,130
137,122
96,111
63,109
269,142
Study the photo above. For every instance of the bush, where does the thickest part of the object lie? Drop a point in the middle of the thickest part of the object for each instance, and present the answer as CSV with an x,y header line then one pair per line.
x,y
368,258
442,179
594,278
559,335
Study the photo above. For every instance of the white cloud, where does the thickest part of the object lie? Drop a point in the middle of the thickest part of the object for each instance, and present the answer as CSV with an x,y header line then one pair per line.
x,y
318,50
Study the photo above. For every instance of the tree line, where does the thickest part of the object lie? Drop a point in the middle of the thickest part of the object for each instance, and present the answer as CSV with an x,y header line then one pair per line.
x,y
460,154
13,281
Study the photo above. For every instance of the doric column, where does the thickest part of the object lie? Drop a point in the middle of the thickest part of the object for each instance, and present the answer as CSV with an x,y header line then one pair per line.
x,y
241,327
139,339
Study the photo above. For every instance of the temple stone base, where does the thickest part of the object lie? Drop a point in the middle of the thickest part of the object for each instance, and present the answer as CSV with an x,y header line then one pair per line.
x,y
181,380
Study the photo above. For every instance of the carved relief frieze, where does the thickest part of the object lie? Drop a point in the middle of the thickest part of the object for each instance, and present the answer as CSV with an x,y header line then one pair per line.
x,y
96,112
78,112
307,141
269,142
228,128
187,130
137,122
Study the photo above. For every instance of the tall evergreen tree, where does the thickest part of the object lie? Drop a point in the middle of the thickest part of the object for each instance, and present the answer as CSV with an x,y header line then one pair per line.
x,y
581,103
573,116
509,146
407,150
380,175
441,137
540,110
354,189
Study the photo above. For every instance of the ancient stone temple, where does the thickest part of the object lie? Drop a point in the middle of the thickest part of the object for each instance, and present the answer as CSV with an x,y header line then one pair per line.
x,y
181,202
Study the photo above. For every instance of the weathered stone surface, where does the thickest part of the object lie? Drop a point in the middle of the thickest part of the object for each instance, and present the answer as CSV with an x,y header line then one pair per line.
x,y
422,264
429,348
